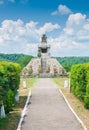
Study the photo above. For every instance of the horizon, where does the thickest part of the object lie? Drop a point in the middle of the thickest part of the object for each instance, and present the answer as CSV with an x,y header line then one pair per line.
x,y
66,24
36,56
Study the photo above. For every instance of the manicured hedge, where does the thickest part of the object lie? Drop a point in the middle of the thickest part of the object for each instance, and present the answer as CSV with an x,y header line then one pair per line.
x,y
9,83
79,82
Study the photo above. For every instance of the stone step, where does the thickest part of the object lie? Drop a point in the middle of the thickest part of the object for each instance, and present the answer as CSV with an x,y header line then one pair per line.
x,y
43,64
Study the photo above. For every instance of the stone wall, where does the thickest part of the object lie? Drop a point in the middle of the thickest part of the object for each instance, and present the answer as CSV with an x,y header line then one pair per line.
x,y
35,63
55,68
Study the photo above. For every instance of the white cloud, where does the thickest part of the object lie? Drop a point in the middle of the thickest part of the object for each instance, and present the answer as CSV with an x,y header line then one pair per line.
x,y
76,19
20,37
77,26
86,26
31,24
54,13
74,38
48,27
62,10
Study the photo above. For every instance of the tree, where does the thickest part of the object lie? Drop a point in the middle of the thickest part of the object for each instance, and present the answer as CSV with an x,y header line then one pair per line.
x,y
39,53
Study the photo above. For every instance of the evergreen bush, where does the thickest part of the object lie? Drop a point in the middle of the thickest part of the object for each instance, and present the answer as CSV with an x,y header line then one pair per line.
x,y
79,82
9,101
9,82
48,69
39,69
30,71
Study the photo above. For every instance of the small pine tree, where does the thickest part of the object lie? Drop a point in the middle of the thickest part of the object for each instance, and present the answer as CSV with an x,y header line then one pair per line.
x,y
30,71
39,53
55,69
39,69
47,69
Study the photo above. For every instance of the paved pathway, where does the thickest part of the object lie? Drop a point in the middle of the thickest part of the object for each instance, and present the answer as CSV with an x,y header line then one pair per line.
x,y
48,109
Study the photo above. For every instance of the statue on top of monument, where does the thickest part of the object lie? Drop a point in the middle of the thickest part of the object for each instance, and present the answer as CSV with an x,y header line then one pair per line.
x,y
44,38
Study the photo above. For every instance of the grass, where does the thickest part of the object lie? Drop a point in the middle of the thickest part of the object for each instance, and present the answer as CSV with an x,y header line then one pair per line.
x,y
12,119
76,104
60,81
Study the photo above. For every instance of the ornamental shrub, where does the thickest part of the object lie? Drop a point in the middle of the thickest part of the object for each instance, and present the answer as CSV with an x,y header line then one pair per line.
x,y
86,98
73,78
30,71
39,69
48,69
9,80
9,101
55,69
79,82
39,54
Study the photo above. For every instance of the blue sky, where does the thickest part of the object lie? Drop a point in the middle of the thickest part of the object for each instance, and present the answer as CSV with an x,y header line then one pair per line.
x,y
65,22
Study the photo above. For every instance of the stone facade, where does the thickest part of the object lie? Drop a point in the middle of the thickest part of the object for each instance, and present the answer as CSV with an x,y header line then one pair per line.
x,y
44,65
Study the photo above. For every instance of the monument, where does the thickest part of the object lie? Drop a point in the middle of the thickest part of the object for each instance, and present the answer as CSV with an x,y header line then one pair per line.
x,y
44,65
43,50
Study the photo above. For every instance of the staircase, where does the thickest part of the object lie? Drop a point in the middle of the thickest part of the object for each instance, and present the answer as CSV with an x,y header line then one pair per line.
x,y
43,64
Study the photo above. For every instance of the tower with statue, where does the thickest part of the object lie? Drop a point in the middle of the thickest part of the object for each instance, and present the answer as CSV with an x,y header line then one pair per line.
x,y
44,65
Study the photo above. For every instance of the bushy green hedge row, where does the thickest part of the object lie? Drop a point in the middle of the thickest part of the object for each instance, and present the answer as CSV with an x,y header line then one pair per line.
x,y
9,83
79,82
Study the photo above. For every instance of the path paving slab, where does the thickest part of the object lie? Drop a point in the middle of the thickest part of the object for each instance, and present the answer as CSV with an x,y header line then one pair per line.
x,y
48,109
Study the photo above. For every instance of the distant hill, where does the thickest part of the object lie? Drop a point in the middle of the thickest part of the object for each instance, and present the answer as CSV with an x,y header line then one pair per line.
x,y
67,62
18,58
23,60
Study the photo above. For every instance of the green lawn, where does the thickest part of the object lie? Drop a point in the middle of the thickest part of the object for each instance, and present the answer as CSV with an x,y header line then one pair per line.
x,y
60,81
29,81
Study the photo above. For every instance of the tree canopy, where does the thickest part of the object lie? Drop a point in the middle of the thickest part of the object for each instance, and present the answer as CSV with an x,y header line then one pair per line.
x,y
22,59
67,62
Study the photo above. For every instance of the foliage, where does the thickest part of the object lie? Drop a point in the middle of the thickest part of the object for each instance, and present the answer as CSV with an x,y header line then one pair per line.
x,y
39,54
9,100
55,69
80,82
86,99
12,119
22,59
39,69
30,70
67,62
9,80
48,69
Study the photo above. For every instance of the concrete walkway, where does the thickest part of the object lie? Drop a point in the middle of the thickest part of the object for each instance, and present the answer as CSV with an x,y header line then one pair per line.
x,y
48,109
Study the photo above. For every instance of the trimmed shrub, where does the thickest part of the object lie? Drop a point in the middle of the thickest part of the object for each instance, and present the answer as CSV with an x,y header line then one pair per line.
x,y
55,69
9,101
39,54
48,69
30,70
39,69
79,82
86,102
9,81
86,98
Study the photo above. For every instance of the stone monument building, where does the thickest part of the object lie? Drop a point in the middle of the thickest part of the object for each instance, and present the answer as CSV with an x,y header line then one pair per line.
x,y
44,65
